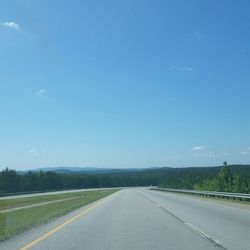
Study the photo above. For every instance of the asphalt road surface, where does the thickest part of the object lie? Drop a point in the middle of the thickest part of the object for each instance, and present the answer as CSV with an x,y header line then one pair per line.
x,y
139,219
52,193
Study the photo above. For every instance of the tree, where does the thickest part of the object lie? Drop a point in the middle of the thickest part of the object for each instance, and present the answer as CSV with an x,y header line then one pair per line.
x,y
9,181
225,178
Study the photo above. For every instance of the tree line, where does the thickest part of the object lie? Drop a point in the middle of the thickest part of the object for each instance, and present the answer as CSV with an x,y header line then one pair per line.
x,y
224,178
12,182
225,181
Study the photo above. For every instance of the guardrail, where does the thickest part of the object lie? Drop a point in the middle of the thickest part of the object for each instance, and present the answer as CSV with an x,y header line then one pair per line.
x,y
224,195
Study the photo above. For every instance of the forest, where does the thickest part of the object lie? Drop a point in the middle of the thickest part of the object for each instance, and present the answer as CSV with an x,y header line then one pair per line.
x,y
225,178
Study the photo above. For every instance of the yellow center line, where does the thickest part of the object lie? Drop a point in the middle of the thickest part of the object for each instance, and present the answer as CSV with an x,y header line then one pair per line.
x,y
54,230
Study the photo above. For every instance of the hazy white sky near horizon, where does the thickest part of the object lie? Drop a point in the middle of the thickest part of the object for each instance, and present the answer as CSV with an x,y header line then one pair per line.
x,y
124,84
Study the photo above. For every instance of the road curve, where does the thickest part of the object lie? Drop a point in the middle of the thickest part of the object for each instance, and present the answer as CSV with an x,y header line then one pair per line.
x,y
140,219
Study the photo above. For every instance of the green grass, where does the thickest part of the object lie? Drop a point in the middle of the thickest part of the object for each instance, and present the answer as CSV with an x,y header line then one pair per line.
x,y
14,222
20,202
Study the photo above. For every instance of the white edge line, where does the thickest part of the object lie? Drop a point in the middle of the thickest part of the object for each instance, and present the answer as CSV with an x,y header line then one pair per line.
x,y
219,242
197,230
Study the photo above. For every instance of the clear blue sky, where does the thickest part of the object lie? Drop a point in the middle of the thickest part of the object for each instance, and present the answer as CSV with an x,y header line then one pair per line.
x,y
124,83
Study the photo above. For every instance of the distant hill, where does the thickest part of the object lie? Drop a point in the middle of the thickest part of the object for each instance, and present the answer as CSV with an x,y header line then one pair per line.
x,y
201,178
85,170
161,172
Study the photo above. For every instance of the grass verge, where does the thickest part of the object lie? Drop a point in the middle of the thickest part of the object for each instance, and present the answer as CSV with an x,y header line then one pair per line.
x,y
14,222
20,202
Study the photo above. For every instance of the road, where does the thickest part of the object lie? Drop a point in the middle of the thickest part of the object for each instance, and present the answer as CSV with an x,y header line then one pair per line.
x,y
20,195
140,219
52,193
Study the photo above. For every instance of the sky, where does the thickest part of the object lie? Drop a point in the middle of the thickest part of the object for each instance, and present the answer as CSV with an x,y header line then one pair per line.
x,y
124,84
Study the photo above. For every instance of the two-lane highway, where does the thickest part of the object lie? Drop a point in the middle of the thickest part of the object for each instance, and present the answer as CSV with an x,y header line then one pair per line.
x,y
143,219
